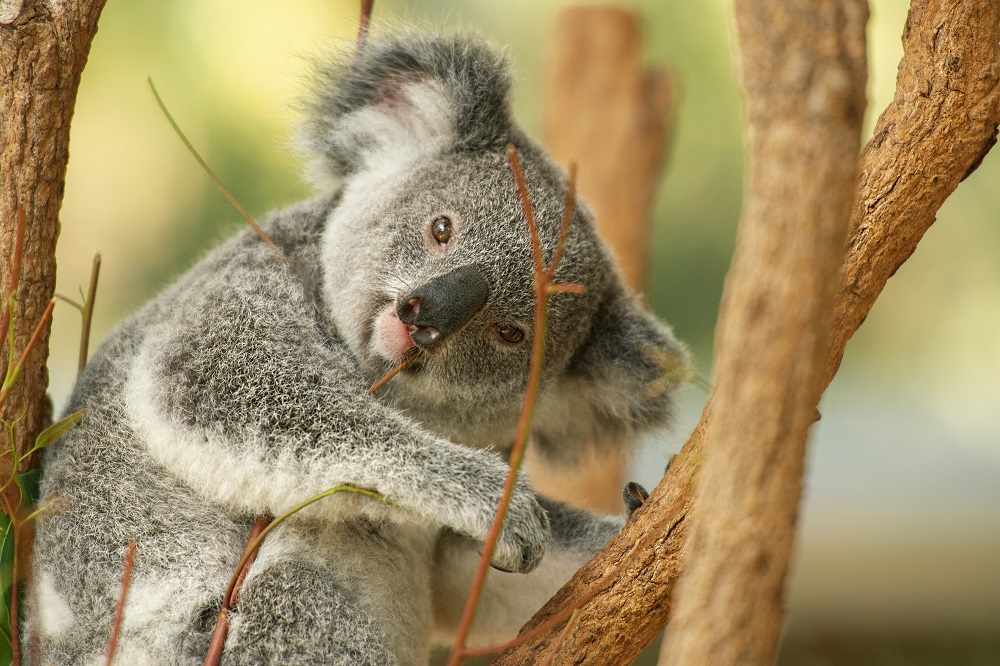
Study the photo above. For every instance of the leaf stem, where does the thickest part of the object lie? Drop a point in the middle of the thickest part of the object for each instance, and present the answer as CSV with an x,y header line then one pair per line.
x,y
215,179
119,617
88,312
253,545
13,374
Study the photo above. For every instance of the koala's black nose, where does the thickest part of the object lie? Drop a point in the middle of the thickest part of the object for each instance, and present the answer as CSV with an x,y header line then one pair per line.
x,y
444,305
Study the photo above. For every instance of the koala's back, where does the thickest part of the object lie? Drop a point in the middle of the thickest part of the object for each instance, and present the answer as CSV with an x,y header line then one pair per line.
x,y
104,489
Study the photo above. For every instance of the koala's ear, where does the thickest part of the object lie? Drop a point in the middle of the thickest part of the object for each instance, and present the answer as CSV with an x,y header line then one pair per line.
x,y
402,99
622,382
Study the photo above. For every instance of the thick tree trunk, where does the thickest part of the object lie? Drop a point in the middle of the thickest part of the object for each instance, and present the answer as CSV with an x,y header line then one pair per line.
x,y
606,111
804,70
948,84
43,48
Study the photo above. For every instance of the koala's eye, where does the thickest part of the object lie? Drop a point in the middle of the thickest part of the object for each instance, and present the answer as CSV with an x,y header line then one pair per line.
x,y
441,229
510,333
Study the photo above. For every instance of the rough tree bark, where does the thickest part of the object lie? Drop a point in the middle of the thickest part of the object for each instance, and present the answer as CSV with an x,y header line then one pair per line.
x,y
803,68
43,49
606,111
939,127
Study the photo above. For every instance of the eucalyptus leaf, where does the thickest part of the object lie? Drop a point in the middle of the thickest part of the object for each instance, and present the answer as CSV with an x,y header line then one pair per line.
x,y
58,429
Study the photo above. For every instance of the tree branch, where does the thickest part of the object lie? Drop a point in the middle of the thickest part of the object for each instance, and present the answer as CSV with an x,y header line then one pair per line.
x,y
804,70
948,85
43,49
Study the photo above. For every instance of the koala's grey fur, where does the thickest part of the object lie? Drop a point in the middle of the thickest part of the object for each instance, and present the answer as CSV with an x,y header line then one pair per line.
x,y
241,390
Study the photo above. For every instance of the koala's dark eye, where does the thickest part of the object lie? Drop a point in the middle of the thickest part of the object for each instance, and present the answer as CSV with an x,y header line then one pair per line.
x,y
441,229
510,334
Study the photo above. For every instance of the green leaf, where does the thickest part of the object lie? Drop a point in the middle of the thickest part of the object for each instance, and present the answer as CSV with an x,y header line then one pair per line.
x,y
57,430
30,483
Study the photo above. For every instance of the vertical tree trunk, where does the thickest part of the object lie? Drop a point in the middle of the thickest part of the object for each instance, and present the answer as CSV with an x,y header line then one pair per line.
x,y
610,114
803,66
43,48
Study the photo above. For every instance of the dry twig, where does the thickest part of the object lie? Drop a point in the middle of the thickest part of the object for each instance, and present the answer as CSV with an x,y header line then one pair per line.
x,y
544,287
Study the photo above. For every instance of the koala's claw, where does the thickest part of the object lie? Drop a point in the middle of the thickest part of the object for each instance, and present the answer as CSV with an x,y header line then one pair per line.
x,y
634,496
524,536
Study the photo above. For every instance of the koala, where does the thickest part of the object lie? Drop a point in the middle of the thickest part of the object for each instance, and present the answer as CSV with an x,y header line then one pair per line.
x,y
242,390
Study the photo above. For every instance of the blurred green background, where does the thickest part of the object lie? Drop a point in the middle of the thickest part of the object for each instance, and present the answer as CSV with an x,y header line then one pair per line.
x,y
899,553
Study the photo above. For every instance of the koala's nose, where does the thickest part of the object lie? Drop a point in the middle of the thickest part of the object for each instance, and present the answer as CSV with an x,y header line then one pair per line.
x,y
444,305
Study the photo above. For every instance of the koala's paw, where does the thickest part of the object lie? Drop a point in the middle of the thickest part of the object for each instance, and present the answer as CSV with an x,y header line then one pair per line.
x,y
525,533
634,496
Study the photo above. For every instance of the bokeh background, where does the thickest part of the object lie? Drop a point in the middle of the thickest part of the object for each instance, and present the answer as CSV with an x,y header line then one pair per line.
x,y
899,552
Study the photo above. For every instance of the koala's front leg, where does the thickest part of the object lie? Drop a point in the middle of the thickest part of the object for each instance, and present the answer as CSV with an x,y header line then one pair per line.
x,y
354,593
248,402
510,599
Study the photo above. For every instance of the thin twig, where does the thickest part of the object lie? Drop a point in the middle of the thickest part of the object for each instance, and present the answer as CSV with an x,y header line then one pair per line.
x,y
69,301
408,360
13,375
542,292
542,628
88,312
366,19
15,639
529,212
568,208
119,618
215,179
561,637
255,531
221,631
253,545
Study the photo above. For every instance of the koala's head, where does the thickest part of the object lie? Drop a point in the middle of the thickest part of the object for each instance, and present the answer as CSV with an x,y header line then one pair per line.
x,y
429,249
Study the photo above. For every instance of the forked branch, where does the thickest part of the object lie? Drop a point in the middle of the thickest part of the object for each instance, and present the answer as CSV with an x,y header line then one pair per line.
x,y
941,123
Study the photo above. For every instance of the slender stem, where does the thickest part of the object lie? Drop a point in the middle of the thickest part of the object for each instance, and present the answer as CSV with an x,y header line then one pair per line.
x,y
15,639
88,312
562,637
215,179
221,631
13,375
568,207
529,212
119,618
542,292
363,25
545,627
410,357
255,531
253,545
69,301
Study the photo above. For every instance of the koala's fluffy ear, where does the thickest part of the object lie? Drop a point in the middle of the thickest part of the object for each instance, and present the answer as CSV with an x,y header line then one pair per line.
x,y
622,382
405,98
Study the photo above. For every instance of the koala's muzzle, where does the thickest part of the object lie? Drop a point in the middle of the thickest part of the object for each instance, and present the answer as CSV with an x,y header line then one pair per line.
x,y
444,305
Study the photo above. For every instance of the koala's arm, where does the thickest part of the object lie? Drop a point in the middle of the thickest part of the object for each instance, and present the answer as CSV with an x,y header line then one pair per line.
x,y
510,600
238,391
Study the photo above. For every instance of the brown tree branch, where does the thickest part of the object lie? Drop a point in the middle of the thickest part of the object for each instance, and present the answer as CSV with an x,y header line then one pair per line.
x,y
43,49
949,85
803,68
